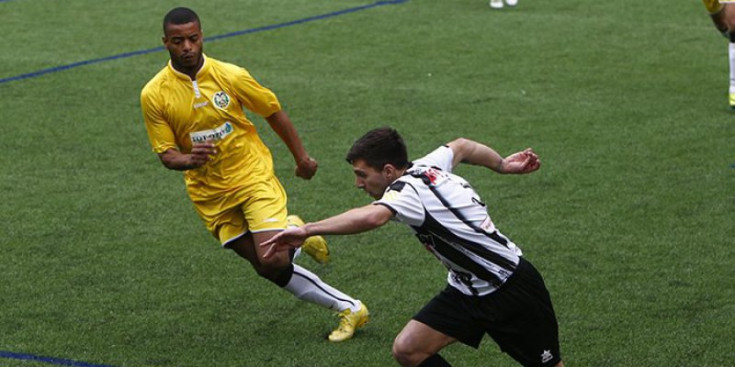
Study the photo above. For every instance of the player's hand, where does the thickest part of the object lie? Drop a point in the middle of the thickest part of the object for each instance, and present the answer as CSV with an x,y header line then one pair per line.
x,y
522,162
306,168
284,241
200,154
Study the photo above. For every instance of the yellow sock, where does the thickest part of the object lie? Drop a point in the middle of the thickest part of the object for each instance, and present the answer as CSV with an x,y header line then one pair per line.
x,y
713,6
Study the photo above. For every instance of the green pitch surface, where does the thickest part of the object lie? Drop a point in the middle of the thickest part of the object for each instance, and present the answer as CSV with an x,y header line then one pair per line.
x,y
630,218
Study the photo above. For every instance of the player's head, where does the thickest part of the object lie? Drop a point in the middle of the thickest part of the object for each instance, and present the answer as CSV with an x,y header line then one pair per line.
x,y
378,158
182,36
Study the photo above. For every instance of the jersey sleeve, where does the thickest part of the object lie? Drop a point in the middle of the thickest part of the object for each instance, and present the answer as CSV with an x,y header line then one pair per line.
x,y
403,200
159,131
254,96
441,158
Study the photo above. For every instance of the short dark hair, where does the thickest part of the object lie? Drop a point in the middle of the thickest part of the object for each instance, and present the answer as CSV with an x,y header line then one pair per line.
x,y
179,15
379,147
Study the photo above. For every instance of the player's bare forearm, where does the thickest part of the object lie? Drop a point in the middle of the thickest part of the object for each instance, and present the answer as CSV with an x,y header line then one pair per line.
x,y
472,152
280,123
200,154
352,221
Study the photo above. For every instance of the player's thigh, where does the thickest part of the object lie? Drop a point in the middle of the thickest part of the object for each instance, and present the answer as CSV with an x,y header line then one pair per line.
x,y
260,207
419,338
265,208
266,214
453,314
523,322
278,259
245,248
225,222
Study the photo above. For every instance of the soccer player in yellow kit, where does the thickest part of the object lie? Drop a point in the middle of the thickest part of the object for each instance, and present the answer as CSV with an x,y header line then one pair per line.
x,y
193,112
722,13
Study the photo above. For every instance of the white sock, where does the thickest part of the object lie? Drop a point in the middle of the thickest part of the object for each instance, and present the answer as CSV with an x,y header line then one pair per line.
x,y
731,54
306,286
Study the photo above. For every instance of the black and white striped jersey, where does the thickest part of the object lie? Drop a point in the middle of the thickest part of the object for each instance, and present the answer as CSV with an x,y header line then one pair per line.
x,y
451,220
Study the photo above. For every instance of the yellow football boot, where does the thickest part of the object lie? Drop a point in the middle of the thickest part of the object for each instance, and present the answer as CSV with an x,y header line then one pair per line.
x,y
314,246
732,100
713,6
349,322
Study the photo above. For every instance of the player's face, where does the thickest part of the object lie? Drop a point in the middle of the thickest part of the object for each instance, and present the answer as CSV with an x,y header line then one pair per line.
x,y
184,43
373,181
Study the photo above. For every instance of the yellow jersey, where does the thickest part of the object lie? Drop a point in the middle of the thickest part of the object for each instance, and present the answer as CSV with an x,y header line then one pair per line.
x,y
179,111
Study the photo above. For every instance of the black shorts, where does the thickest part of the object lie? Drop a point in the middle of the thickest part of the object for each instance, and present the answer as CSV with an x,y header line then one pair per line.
x,y
518,316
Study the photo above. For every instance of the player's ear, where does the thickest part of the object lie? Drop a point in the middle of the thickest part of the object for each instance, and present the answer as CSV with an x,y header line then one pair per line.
x,y
164,38
389,171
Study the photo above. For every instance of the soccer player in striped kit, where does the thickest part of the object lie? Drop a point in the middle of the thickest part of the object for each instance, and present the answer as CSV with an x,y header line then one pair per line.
x,y
491,288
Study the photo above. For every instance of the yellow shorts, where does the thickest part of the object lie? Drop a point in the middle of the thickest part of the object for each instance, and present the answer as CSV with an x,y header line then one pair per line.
x,y
256,208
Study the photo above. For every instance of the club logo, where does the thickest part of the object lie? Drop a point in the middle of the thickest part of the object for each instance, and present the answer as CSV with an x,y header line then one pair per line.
x,y
546,356
221,100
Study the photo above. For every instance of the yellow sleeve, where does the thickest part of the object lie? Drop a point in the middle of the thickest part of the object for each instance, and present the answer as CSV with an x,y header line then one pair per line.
x,y
160,134
254,96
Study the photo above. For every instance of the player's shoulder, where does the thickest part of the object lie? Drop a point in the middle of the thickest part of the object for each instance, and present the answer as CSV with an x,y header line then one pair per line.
x,y
398,185
440,158
155,83
225,67
409,181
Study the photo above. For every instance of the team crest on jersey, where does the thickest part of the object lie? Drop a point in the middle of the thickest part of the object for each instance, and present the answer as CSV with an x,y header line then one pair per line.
x,y
390,195
221,100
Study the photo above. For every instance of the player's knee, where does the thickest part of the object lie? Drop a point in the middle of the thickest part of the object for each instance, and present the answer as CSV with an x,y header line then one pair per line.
x,y
269,270
276,272
279,260
725,21
266,272
401,356
404,353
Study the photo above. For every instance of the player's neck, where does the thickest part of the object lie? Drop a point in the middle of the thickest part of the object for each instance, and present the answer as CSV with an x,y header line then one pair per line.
x,y
190,71
399,173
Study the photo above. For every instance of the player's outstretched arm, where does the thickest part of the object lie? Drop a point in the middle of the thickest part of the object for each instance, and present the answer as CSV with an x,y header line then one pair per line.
x,y
305,165
350,222
472,152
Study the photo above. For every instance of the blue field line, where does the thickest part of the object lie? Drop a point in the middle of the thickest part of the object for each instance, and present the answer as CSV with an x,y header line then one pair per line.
x,y
209,39
56,361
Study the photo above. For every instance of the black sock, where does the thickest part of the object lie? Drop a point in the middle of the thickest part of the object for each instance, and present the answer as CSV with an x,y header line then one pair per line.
x,y
435,361
292,253
284,276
